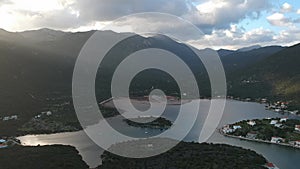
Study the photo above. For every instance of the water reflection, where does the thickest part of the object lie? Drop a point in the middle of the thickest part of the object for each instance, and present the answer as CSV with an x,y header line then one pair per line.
x,y
283,157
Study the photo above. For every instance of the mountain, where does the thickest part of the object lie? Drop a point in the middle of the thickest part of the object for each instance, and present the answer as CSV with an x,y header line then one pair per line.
x,y
246,49
43,35
275,77
10,36
36,70
225,52
43,61
242,59
36,76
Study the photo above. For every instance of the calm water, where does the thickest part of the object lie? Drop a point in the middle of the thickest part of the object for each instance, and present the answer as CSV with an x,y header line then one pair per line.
x,y
283,157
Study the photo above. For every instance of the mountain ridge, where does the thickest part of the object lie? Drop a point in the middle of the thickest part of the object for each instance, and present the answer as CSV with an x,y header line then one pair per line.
x,y
38,75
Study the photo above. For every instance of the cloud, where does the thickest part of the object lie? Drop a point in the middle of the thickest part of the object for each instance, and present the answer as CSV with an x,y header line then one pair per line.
x,y
5,2
288,37
106,10
278,19
218,19
286,7
219,14
18,15
67,14
237,37
298,11
71,14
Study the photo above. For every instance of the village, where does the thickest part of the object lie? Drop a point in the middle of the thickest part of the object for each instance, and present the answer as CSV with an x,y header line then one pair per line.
x,y
281,107
15,117
282,131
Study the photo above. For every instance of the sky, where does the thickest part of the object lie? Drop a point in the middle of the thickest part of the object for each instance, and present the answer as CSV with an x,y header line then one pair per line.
x,y
229,24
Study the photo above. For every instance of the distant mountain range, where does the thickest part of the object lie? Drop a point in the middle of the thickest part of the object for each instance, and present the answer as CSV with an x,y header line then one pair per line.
x,y
246,49
38,65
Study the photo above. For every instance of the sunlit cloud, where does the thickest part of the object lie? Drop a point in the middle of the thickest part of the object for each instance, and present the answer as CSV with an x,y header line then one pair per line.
x,y
278,19
226,23
286,7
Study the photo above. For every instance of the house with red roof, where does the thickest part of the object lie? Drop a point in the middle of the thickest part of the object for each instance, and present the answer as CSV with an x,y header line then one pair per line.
x,y
271,166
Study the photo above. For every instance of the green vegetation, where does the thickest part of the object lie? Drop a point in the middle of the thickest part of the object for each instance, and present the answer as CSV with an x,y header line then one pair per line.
x,y
186,155
265,131
36,75
48,125
109,112
153,122
277,78
41,157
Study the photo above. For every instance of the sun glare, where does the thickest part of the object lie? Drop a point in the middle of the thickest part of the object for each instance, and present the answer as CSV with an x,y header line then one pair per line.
x,y
7,20
15,14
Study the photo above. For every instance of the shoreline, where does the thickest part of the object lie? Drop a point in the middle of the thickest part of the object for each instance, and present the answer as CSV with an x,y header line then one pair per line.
x,y
145,99
255,140
175,101
107,104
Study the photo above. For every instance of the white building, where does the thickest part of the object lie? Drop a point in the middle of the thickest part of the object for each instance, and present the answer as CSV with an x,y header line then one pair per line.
x,y
283,119
297,143
278,110
251,123
150,145
6,118
297,128
264,100
278,125
49,113
236,127
38,116
14,117
274,122
277,140
227,129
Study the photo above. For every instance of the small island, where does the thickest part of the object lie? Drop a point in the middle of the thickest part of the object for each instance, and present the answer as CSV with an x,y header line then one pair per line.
x,y
155,122
282,131
184,155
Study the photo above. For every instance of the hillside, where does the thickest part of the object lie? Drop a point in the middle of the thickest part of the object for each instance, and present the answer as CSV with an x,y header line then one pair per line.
x,y
276,77
46,157
36,71
36,76
240,59
182,156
